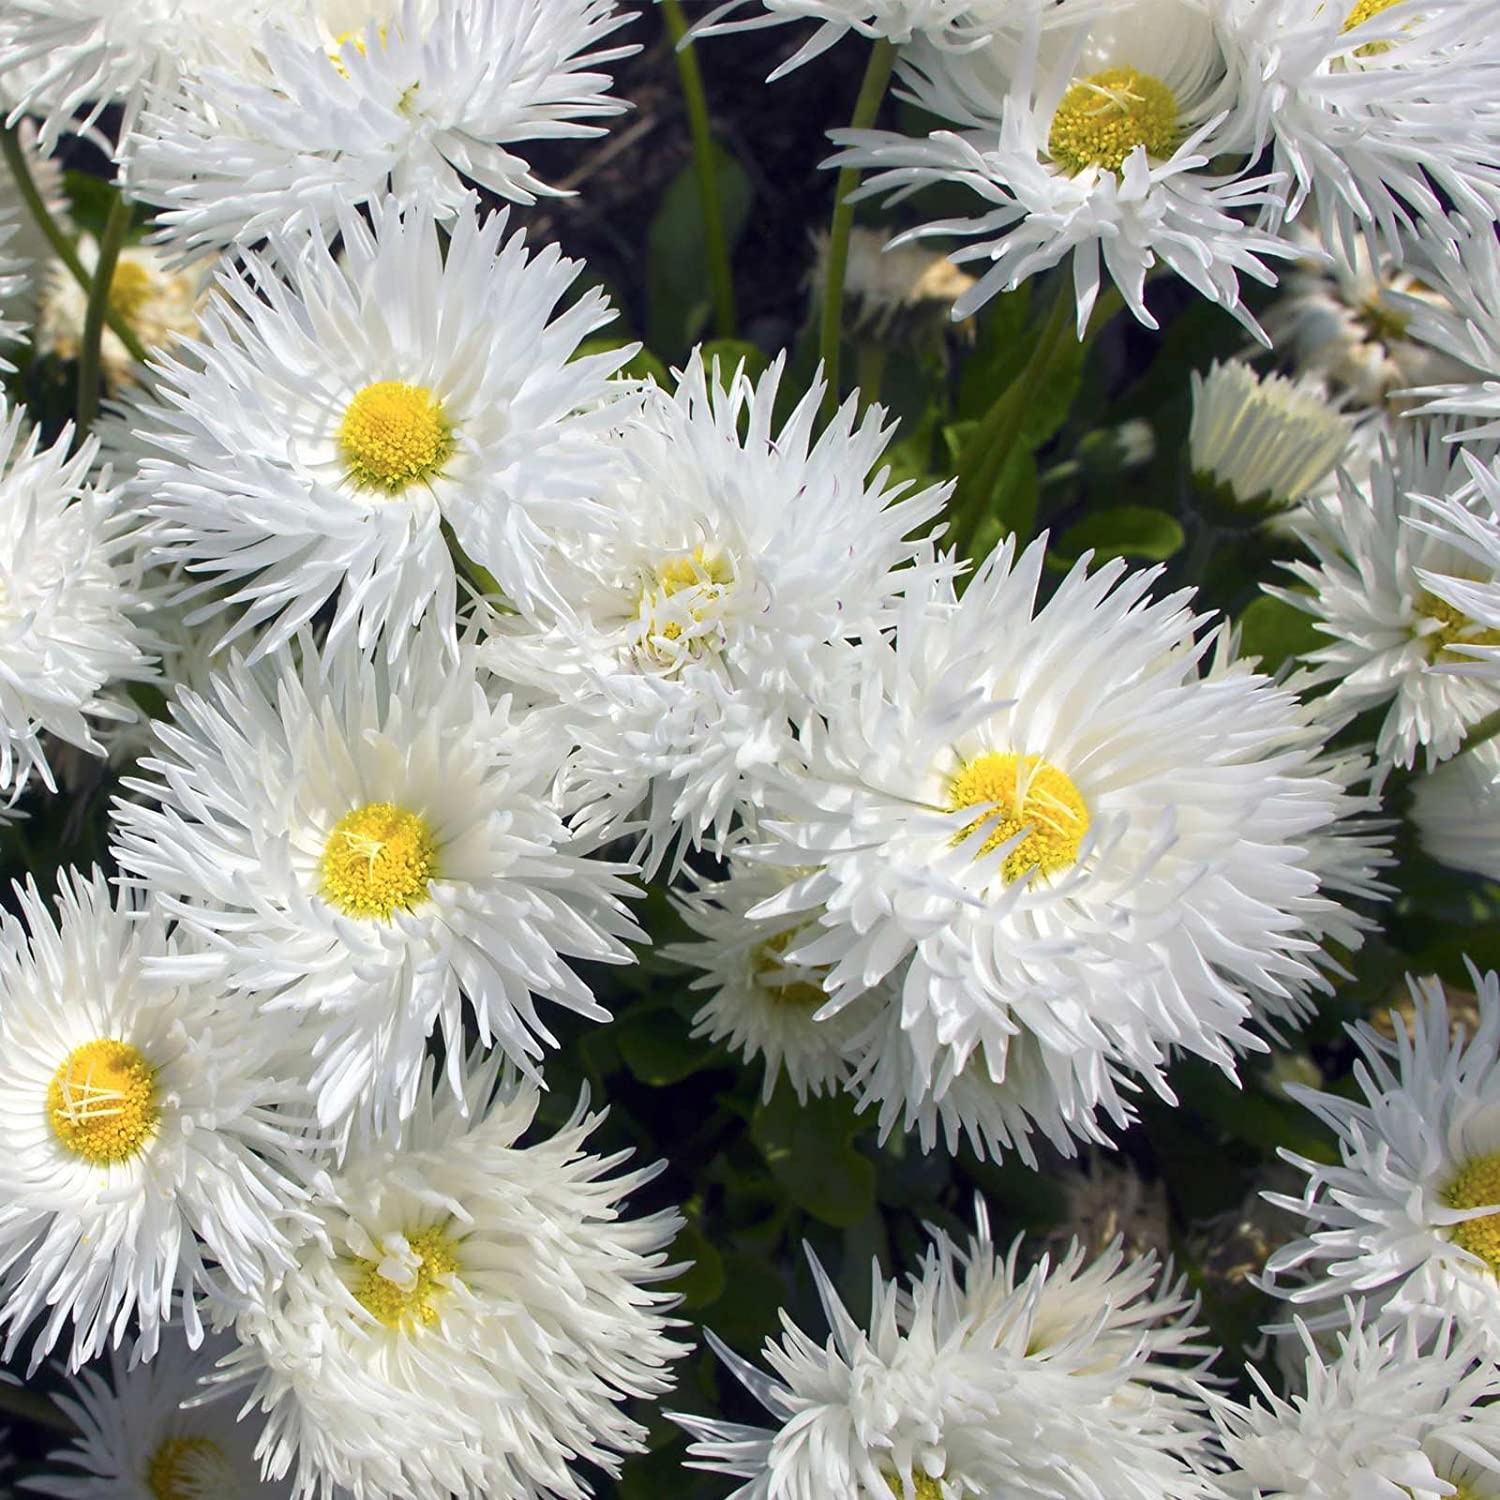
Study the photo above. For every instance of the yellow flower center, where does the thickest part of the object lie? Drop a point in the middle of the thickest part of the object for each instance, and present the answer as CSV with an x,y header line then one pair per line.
x,y
1364,10
1477,1183
378,860
1381,321
102,1102
402,1305
129,288
680,596
189,1469
1104,117
1455,628
779,981
1022,793
923,1486
394,436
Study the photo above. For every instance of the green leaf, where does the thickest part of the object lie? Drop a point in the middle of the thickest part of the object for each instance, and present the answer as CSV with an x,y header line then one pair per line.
x,y
679,290
807,1149
999,353
1012,508
1126,531
641,364
703,1282
1276,631
731,353
656,1047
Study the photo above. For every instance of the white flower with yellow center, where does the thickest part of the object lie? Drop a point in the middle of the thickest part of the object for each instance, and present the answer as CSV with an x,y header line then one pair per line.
x,y
1088,138
1456,810
316,440
1391,635
1381,111
159,305
946,23
136,1440
1066,1383
731,560
152,1147
1464,571
68,589
345,100
365,848
1410,1213
1264,439
1093,848
61,59
759,1003
1385,1412
469,1315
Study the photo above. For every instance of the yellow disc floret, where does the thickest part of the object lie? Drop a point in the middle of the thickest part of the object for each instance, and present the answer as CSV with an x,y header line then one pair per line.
x,y
102,1102
923,1486
129,288
399,1306
378,860
1365,10
1022,793
1477,1184
1104,117
394,436
778,979
188,1468
682,592
1455,628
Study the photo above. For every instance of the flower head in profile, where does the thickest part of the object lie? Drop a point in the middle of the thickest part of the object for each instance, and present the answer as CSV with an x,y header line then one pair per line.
x,y
1409,1216
733,557
1393,639
69,558
1067,1381
1455,810
470,1316
338,413
155,1433
1088,140
363,849
1081,832
343,101
154,1148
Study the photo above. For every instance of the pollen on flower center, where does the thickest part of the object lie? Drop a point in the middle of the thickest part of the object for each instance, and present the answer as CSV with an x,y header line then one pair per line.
x,y
923,1486
1454,628
187,1468
102,1102
1104,117
129,288
394,436
777,980
379,859
1364,10
680,596
1477,1183
1022,794
402,1304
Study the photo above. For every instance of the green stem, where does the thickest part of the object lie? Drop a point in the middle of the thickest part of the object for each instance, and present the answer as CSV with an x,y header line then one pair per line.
x,y
871,92
16,1401
62,246
1486,729
705,160
869,370
93,320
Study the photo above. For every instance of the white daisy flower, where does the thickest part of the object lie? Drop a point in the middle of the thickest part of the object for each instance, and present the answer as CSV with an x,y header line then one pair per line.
x,y
68,561
159,305
469,1315
1090,138
1265,440
1463,572
1384,107
152,1433
1391,636
1410,1214
62,59
945,23
316,440
1093,848
363,848
140,1118
759,1003
693,624
1067,1382
343,100
1346,318
1385,1412
1455,810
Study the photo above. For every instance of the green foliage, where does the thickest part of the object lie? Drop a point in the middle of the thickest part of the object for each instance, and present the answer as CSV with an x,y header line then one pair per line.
x,y
1126,531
